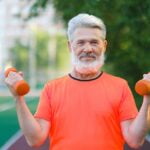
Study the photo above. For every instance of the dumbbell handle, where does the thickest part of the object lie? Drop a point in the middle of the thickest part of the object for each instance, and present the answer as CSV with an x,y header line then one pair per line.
x,y
142,87
21,87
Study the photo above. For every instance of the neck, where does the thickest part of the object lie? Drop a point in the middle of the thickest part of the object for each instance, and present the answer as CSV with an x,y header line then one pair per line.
x,y
84,76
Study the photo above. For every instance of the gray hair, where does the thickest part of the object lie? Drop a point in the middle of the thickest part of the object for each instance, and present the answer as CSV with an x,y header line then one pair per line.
x,y
85,20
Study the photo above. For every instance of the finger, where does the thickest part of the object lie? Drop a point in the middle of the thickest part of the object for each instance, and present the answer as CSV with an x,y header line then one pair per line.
x,y
13,75
20,73
13,78
9,82
146,76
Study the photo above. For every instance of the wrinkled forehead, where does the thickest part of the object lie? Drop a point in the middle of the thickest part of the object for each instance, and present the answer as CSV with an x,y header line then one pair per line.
x,y
87,33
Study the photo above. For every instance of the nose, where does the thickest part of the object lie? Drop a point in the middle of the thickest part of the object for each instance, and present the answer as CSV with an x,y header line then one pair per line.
x,y
88,47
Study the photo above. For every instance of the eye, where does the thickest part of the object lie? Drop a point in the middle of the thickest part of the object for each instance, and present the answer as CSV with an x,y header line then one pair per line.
x,y
81,42
94,42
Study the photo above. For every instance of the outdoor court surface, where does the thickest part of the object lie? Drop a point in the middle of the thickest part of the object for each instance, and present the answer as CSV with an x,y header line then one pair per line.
x,y
11,137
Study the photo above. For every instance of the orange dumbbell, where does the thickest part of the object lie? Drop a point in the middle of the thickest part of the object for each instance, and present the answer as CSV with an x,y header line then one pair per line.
x,y
21,87
142,87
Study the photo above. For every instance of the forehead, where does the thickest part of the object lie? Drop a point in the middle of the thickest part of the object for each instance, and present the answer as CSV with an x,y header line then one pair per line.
x,y
87,33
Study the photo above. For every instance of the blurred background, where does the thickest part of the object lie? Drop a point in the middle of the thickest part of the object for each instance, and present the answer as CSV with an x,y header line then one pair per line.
x,y
33,39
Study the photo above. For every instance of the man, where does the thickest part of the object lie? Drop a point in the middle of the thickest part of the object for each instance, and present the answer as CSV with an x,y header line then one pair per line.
x,y
87,109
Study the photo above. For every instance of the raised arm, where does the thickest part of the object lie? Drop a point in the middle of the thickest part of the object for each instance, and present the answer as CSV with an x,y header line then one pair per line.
x,y
135,130
34,130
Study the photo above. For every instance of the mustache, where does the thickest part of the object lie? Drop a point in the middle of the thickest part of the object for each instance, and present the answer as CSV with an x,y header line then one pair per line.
x,y
93,55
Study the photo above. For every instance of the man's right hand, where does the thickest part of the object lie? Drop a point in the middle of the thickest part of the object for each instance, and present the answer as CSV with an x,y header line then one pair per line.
x,y
11,80
34,130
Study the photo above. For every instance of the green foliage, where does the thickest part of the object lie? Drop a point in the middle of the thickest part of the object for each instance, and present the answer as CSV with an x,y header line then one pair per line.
x,y
127,23
20,55
20,51
36,7
62,55
42,57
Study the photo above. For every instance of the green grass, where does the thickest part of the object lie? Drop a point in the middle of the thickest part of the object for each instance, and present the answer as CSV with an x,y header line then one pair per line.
x,y
4,100
9,122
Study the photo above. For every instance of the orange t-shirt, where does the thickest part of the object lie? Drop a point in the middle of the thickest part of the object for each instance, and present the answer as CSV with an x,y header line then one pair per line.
x,y
86,115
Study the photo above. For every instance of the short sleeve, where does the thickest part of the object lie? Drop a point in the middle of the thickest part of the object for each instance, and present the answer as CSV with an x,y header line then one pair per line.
x,y
44,108
127,107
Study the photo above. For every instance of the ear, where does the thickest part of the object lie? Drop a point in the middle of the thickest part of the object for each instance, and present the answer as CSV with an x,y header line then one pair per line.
x,y
105,45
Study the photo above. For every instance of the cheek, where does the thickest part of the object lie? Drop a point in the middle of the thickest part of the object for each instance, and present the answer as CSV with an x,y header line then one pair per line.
x,y
76,50
101,49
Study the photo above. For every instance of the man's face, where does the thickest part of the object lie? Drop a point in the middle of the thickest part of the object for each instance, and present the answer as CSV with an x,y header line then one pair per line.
x,y
87,50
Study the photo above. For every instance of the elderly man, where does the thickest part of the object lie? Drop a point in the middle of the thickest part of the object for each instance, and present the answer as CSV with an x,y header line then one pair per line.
x,y
87,109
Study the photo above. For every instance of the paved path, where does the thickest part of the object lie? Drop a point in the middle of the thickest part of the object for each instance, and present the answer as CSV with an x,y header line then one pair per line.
x,y
146,146
18,143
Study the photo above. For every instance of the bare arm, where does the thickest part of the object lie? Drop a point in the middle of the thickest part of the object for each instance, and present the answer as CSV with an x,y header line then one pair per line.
x,y
35,130
134,130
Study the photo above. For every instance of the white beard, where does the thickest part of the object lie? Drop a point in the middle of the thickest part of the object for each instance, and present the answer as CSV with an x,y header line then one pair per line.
x,y
84,67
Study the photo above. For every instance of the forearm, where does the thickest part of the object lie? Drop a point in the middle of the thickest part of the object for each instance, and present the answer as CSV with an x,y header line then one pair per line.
x,y
30,127
35,130
141,124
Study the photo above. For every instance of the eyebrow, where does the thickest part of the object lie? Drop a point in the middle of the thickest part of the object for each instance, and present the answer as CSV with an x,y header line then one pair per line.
x,y
80,40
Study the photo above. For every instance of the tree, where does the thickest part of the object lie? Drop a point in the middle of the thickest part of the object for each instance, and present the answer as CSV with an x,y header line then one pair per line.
x,y
42,39
19,56
127,31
